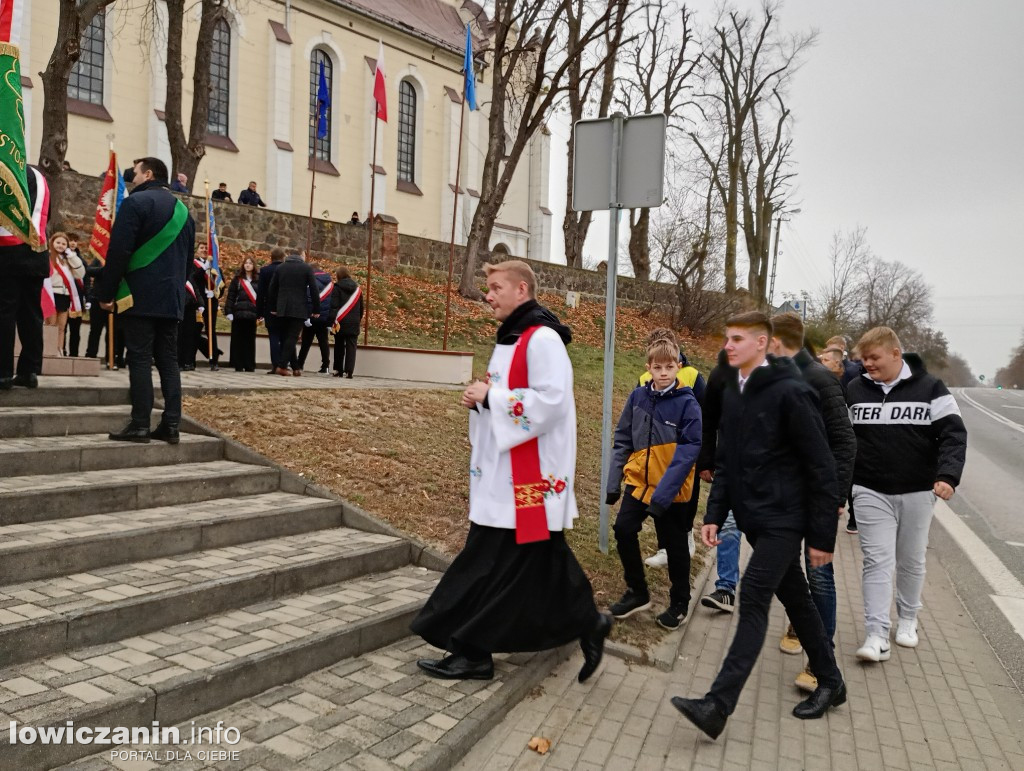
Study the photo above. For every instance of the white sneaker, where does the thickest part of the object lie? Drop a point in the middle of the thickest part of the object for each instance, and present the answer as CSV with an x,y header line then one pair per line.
x,y
659,560
690,542
875,648
906,633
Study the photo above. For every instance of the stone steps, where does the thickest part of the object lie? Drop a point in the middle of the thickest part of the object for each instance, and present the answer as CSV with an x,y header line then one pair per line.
x,y
92,452
31,420
33,498
375,711
66,393
60,614
60,547
185,670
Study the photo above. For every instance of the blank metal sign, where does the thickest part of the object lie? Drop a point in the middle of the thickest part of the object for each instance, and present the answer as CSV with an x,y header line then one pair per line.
x,y
641,167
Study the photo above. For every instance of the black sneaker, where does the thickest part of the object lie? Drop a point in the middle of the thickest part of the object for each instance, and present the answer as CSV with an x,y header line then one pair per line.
x,y
26,380
720,600
322,371
630,603
673,617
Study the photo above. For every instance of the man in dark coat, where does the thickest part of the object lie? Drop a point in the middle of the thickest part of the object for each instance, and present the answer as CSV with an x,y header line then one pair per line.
x,y
249,196
727,561
290,287
277,255
20,290
319,328
346,333
775,472
788,340
151,248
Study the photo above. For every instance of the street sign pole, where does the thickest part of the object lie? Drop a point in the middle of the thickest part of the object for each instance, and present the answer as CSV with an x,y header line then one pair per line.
x,y
615,210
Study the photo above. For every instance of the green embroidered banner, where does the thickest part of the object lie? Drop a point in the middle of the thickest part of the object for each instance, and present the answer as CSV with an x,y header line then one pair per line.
x,y
15,209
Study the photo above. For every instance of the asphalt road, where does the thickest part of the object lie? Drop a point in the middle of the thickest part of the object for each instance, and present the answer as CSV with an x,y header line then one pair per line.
x,y
979,538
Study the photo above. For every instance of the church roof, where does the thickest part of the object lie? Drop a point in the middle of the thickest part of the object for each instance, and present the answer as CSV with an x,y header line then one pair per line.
x,y
433,20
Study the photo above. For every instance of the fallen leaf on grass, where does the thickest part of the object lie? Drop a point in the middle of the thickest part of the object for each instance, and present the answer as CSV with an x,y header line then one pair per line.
x,y
540,745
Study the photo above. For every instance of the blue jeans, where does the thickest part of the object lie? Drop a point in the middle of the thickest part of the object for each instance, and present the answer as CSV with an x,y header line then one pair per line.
x,y
729,558
822,583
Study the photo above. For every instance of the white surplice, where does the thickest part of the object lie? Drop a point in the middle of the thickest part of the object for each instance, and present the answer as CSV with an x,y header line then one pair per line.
x,y
545,411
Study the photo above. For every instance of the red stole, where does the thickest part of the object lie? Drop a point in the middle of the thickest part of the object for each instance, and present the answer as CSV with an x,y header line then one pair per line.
x,y
246,285
527,481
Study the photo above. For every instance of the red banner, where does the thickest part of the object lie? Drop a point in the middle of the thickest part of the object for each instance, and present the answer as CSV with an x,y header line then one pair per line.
x,y
105,208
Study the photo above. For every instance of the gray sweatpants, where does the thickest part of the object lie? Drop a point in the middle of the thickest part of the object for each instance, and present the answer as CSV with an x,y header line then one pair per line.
x,y
893,535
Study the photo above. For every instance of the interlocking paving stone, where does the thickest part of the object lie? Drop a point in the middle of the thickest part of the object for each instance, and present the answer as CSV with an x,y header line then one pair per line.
x,y
331,715
87,591
108,672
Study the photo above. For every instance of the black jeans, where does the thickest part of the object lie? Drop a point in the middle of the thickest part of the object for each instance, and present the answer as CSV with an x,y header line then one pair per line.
x,y
20,310
690,511
74,335
774,568
319,331
345,353
290,330
98,324
273,325
189,333
150,340
671,527
243,344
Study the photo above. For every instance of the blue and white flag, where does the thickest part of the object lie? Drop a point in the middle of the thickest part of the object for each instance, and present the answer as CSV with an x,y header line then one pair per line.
x,y
213,249
469,84
323,104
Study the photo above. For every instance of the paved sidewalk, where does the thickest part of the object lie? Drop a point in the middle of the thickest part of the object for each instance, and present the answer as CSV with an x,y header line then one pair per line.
x,y
946,705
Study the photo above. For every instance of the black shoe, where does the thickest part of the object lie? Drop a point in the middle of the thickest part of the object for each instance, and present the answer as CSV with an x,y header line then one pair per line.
x,y
322,371
720,599
458,667
630,603
348,375
187,368
593,647
26,380
166,433
6,383
703,713
131,433
674,617
214,366
817,704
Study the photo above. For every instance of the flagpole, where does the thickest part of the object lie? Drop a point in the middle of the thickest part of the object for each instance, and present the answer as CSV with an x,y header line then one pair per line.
x,y
312,184
209,283
455,211
369,228
110,316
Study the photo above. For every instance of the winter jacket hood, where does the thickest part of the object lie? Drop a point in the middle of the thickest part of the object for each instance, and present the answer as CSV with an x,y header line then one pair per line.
x,y
530,314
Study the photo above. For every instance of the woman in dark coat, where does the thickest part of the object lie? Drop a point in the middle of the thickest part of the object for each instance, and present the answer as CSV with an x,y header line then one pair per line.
x,y
241,312
346,301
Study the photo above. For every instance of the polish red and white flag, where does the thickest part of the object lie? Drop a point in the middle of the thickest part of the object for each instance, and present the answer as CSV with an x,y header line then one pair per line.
x,y
379,85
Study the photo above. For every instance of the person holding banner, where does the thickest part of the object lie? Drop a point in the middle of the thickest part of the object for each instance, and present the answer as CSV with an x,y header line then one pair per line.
x,y
24,272
516,585
65,267
346,311
152,245
241,310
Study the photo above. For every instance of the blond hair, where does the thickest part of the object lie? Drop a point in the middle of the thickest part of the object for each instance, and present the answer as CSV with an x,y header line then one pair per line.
x,y
879,337
519,270
662,349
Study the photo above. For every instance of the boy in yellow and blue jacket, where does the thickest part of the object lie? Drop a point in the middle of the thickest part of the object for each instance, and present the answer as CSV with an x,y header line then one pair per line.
x,y
657,441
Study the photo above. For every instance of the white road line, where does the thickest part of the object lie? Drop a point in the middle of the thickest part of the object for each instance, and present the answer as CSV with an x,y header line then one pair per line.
x,y
1008,592
1011,407
994,415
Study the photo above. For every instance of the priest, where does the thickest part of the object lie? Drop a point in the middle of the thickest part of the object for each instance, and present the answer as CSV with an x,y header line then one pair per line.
x,y
516,585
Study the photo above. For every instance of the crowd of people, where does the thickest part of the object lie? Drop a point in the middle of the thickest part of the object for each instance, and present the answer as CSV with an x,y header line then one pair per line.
x,y
786,439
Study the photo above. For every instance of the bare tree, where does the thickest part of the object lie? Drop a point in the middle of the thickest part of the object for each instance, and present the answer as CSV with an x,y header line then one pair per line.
x,y
957,372
657,66
895,296
529,73
1012,375
747,59
188,151
74,17
840,302
764,184
589,68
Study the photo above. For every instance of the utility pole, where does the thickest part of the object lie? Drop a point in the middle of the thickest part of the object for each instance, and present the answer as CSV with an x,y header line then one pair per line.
x,y
775,257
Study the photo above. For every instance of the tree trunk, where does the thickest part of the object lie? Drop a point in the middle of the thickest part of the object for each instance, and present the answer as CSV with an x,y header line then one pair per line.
x,y
54,144
639,245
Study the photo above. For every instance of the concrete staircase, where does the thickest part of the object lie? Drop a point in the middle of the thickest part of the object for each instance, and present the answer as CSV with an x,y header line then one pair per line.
x,y
143,583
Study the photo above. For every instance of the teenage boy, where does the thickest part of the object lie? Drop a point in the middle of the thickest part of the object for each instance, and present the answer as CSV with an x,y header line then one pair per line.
x,y
656,445
911,448
774,471
788,340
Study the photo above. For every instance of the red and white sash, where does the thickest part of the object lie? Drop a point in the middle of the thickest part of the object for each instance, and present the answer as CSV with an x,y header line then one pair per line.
x,y
350,303
527,480
69,285
191,290
46,300
249,289
326,291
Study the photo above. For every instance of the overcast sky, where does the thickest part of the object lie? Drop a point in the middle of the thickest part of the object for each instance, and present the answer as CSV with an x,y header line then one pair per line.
x,y
909,119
